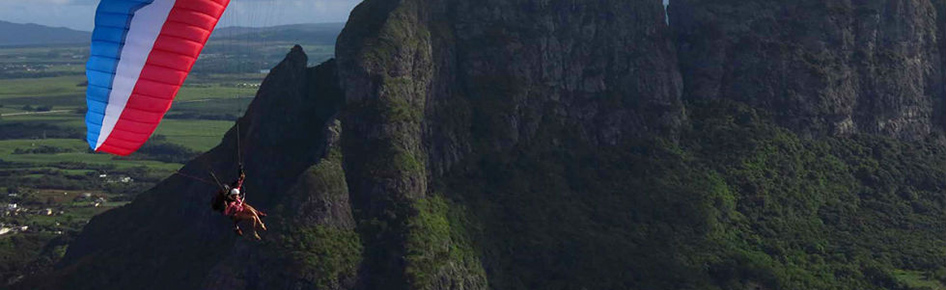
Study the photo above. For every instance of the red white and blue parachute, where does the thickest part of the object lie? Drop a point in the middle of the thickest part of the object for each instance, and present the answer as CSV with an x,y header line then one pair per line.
x,y
142,50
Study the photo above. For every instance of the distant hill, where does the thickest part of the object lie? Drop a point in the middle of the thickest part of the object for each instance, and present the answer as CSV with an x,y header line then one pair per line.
x,y
322,33
13,34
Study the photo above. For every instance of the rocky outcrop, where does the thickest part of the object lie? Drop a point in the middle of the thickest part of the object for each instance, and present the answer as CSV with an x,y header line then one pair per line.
x,y
609,77
430,82
822,68
168,238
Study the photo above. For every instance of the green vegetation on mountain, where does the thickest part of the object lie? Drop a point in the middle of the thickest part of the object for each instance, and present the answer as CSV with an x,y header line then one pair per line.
x,y
496,144
738,203
573,168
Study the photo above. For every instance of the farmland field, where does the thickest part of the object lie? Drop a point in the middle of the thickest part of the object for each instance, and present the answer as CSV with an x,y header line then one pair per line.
x,y
51,184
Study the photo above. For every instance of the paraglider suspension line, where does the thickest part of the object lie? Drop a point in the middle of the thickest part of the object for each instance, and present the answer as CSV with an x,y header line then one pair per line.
x,y
194,178
217,180
239,152
211,171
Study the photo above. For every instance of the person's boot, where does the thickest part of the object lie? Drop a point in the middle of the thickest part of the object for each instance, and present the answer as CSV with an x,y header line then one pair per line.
x,y
238,231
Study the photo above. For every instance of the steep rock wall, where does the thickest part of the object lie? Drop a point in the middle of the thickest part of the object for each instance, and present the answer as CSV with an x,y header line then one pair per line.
x,y
821,67
430,82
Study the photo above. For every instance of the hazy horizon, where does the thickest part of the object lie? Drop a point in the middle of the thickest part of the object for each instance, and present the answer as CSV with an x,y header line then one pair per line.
x,y
79,14
221,25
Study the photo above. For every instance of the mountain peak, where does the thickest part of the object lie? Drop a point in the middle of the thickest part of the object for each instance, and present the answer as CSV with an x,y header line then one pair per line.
x,y
34,34
186,242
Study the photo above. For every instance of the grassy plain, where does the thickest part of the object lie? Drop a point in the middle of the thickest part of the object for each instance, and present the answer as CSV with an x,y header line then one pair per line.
x,y
45,161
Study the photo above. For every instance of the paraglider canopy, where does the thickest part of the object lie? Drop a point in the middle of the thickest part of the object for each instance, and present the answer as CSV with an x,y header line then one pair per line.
x,y
141,53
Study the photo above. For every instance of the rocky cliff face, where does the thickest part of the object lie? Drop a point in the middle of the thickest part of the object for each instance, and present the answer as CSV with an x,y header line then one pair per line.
x,y
939,115
429,83
822,68
605,68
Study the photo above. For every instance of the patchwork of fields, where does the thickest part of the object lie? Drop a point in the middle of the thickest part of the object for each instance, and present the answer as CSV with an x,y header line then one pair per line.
x,y
50,182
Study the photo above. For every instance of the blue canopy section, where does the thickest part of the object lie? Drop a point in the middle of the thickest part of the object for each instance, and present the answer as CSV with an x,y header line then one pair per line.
x,y
112,19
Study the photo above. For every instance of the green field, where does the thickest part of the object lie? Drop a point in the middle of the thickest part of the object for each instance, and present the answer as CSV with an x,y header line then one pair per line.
x,y
42,122
42,94
200,135
204,108
59,92
196,88
40,160
45,161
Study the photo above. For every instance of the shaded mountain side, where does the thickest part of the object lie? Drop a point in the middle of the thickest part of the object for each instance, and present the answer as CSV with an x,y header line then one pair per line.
x,y
939,116
312,242
168,238
738,203
470,159
428,81
823,68
13,34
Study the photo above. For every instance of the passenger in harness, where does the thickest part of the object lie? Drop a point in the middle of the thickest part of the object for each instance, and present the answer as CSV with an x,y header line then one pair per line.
x,y
234,196
230,201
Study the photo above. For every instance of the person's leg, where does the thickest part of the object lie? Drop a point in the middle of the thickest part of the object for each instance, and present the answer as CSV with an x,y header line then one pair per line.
x,y
261,224
256,228
236,227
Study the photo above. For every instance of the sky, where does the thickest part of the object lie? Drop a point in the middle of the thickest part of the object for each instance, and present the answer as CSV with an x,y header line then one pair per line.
x,y
79,14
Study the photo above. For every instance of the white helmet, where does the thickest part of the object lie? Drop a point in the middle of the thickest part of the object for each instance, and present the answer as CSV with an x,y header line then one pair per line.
x,y
234,191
